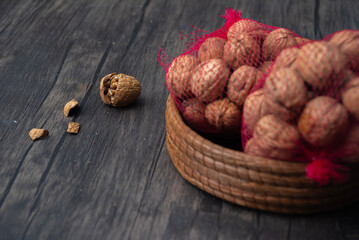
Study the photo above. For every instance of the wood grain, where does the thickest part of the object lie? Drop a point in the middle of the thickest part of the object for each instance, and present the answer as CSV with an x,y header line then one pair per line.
x,y
114,180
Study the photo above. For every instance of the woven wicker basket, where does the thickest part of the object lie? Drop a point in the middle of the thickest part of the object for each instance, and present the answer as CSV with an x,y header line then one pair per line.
x,y
250,181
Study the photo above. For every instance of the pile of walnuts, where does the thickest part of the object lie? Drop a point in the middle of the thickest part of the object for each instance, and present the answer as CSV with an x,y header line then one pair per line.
x,y
310,100
212,88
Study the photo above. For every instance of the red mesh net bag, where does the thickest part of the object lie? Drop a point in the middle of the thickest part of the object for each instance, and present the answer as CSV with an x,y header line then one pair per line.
x,y
216,71
307,108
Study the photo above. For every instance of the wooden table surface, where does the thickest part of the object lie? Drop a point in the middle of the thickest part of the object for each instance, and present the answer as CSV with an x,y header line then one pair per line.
x,y
115,179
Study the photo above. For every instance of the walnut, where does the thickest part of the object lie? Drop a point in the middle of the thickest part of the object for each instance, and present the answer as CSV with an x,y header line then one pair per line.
x,y
241,83
223,115
301,40
193,113
248,26
179,75
321,65
212,48
276,41
285,94
349,146
286,58
322,121
209,80
265,68
252,110
274,138
73,127
242,50
119,90
70,107
348,43
350,97
37,133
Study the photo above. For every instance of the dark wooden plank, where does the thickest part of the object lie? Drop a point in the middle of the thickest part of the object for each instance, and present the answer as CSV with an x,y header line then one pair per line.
x,y
115,179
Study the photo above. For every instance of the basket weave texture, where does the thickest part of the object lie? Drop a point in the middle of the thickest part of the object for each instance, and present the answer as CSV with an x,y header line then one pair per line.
x,y
251,181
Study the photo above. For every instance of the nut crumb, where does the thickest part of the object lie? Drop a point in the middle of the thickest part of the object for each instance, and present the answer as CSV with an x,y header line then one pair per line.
x,y
70,107
73,127
37,133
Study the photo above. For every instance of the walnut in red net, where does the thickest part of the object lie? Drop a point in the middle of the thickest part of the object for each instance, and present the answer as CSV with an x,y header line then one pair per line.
x,y
274,138
285,94
265,67
321,65
348,146
179,75
322,121
253,110
212,48
241,83
223,115
348,43
209,80
276,41
286,58
193,113
301,40
350,97
242,50
248,26
119,90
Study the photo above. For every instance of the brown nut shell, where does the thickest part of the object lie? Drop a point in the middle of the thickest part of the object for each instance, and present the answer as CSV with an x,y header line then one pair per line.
x,y
223,115
242,82
179,74
212,48
285,94
241,50
322,121
209,80
286,58
37,133
70,107
348,43
321,65
276,41
276,139
252,110
193,113
265,67
119,90
249,27
349,145
350,97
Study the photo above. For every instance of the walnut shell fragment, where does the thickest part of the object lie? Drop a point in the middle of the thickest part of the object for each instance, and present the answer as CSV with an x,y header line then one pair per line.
x,y
73,127
37,133
70,107
119,90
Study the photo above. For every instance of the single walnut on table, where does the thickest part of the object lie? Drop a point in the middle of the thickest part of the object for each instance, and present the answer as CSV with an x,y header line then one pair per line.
x,y
322,121
119,90
212,48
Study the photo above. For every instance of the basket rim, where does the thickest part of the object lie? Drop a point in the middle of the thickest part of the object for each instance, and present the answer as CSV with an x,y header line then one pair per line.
x,y
227,155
